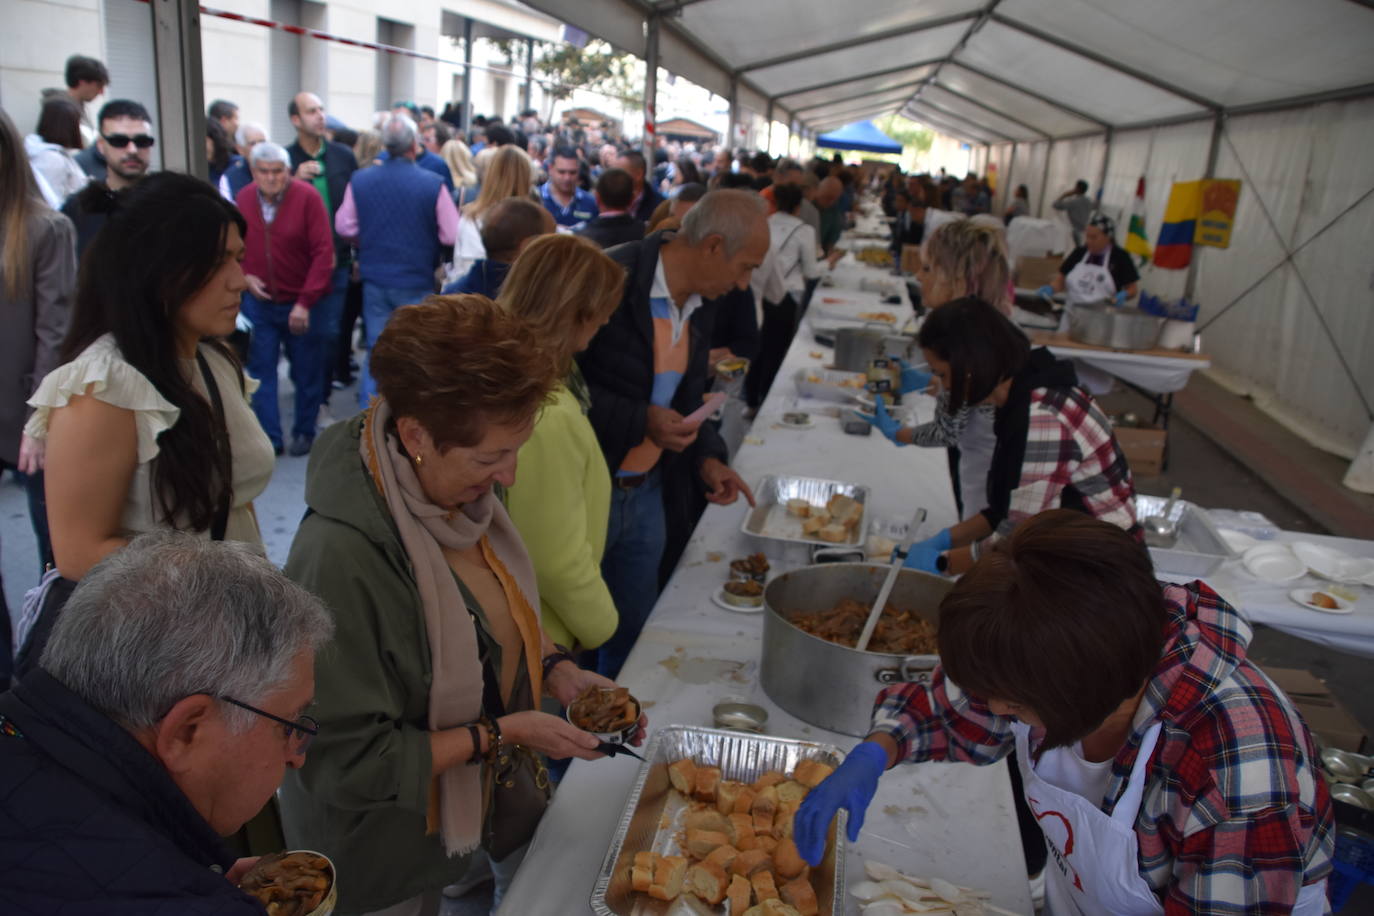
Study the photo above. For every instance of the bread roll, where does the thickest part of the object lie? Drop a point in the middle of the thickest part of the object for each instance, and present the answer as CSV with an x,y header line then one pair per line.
x,y
707,819
708,881
782,821
744,801
668,878
801,896
641,879
707,778
726,793
788,860
811,773
646,860
765,888
724,856
814,524
790,792
683,776
739,894
750,861
798,507
835,533
766,842
701,843
769,778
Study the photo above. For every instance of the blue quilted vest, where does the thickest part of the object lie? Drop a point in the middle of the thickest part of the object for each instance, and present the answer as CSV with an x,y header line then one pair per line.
x,y
398,232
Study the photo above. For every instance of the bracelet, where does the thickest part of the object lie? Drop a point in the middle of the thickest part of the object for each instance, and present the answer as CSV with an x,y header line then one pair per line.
x,y
554,659
942,563
493,754
476,744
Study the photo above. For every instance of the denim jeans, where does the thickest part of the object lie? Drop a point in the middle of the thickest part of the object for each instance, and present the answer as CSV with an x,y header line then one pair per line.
x,y
378,304
634,547
329,312
271,334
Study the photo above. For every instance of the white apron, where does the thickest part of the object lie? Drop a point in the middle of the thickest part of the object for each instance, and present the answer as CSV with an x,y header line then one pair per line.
x,y
1093,868
1088,283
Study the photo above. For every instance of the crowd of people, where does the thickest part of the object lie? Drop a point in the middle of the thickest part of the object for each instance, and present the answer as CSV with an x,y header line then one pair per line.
x,y
541,312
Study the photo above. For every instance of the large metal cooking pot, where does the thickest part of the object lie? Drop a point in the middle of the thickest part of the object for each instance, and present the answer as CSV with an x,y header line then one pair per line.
x,y
1102,325
829,685
856,347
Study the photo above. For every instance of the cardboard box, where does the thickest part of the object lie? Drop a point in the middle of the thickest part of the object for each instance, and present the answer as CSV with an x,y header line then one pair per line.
x,y
1331,722
1033,273
911,259
1143,447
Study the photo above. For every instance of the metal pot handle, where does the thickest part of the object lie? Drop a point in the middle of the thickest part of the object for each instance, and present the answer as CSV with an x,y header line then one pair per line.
x,y
914,669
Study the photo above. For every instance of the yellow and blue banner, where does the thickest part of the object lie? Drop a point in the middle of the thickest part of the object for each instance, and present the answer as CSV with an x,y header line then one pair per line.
x,y
1217,212
1174,249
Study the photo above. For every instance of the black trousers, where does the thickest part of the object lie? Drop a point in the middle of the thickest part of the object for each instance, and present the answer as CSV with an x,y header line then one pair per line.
x,y
779,324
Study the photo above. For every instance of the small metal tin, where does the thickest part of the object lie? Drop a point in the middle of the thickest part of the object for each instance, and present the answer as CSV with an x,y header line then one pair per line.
x,y
740,716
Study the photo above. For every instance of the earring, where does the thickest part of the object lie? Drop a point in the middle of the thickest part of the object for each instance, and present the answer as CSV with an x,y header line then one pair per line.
x,y
419,461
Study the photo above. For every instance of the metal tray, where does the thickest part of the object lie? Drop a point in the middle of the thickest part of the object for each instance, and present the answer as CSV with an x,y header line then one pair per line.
x,y
653,814
1197,550
769,518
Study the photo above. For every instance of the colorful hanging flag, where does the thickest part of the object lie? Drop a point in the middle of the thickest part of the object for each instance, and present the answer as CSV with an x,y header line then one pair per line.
x,y
1217,213
1137,243
1174,250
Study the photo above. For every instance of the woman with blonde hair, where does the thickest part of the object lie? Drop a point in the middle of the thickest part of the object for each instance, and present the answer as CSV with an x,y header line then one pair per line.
x,y
962,259
507,173
459,159
368,148
566,288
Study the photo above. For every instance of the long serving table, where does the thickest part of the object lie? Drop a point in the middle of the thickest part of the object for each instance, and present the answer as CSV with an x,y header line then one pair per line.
x,y
949,820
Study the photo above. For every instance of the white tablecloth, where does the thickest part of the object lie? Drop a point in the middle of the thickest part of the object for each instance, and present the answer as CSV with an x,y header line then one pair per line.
x,y
1155,374
1270,604
954,821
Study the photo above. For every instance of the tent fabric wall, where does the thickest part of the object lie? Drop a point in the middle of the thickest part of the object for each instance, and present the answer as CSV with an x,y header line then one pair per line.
x,y
1070,161
1030,170
1307,166
1000,155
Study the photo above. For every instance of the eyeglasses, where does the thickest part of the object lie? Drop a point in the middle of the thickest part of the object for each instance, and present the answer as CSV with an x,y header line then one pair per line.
x,y
302,731
119,141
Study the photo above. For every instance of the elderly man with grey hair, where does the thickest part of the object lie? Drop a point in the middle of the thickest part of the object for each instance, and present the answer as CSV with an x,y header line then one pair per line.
x,y
162,716
288,264
248,135
647,371
399,215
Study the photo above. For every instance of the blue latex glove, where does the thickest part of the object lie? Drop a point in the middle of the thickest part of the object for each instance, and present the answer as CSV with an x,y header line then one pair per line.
x,y
1045,292
882,421
1120,297
922,559
850,787
913,379
941,541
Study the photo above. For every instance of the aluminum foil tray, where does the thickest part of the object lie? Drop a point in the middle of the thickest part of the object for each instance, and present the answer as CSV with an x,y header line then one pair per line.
x,y
654,815
1197,550
769,517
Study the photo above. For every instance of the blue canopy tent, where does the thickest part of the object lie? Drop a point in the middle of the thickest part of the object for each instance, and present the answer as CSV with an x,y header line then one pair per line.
x,y
861,135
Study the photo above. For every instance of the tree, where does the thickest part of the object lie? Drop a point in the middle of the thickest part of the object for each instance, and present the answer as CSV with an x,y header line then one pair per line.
x,y
911,135
597,67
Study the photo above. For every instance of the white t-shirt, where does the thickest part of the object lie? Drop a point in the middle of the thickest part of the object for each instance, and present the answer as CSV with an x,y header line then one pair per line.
x,y
794,248
1067,769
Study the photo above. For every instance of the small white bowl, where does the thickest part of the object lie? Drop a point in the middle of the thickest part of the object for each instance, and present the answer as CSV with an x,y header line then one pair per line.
x,y
1303,596
1273,563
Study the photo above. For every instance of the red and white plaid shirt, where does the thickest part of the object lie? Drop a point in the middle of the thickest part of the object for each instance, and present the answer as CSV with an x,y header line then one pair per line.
x,y
1235,817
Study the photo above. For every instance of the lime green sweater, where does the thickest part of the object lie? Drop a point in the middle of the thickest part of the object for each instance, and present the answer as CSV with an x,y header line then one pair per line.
x,y
561,504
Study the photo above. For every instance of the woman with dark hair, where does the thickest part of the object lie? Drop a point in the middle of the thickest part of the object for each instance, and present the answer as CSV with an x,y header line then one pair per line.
x,y
1053,447
52,148
1167,772
430,692
1020,204
146,422
219,152
685,172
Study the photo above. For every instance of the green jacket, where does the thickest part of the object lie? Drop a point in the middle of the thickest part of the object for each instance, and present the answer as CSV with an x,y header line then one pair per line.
x,y
362,795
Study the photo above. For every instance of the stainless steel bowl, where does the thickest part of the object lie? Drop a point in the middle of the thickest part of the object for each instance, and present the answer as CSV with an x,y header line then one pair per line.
x,y
1114,327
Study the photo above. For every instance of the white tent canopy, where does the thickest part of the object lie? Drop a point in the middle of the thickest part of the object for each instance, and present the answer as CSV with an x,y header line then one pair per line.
x,y
1276,93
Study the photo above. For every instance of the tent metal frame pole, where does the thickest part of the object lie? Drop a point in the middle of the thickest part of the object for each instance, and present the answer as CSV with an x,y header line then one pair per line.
x,y
650,91
1081,115
979,19
467,75
904,68
734,114
857,42
1045,180
958,117
1106,159
862,95
1011,173
180,89
768,136
1213,152
989,109
1102,60
529,72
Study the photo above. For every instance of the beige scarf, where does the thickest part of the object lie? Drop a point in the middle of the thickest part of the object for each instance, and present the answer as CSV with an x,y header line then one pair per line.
x,y
455,694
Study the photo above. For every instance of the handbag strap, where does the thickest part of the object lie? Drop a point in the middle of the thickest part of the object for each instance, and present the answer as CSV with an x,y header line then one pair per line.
x,y
221,520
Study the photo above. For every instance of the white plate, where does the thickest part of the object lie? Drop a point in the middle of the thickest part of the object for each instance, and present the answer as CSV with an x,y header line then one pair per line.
x,y
1333,564
1303,596
1273,563
718,596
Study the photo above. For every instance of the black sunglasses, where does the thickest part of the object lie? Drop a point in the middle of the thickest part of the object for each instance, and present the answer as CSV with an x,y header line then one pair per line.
x,y
303,730
119,141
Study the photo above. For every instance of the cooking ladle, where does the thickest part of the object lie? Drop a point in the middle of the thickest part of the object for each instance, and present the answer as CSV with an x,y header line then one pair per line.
x,y
1163,525
898,558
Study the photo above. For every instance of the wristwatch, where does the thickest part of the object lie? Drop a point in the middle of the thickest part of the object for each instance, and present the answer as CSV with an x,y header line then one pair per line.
x,y
553,659
942,563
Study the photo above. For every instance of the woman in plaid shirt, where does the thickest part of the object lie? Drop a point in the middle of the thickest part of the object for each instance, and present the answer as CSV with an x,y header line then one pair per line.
x,y
1054,447
1167,772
